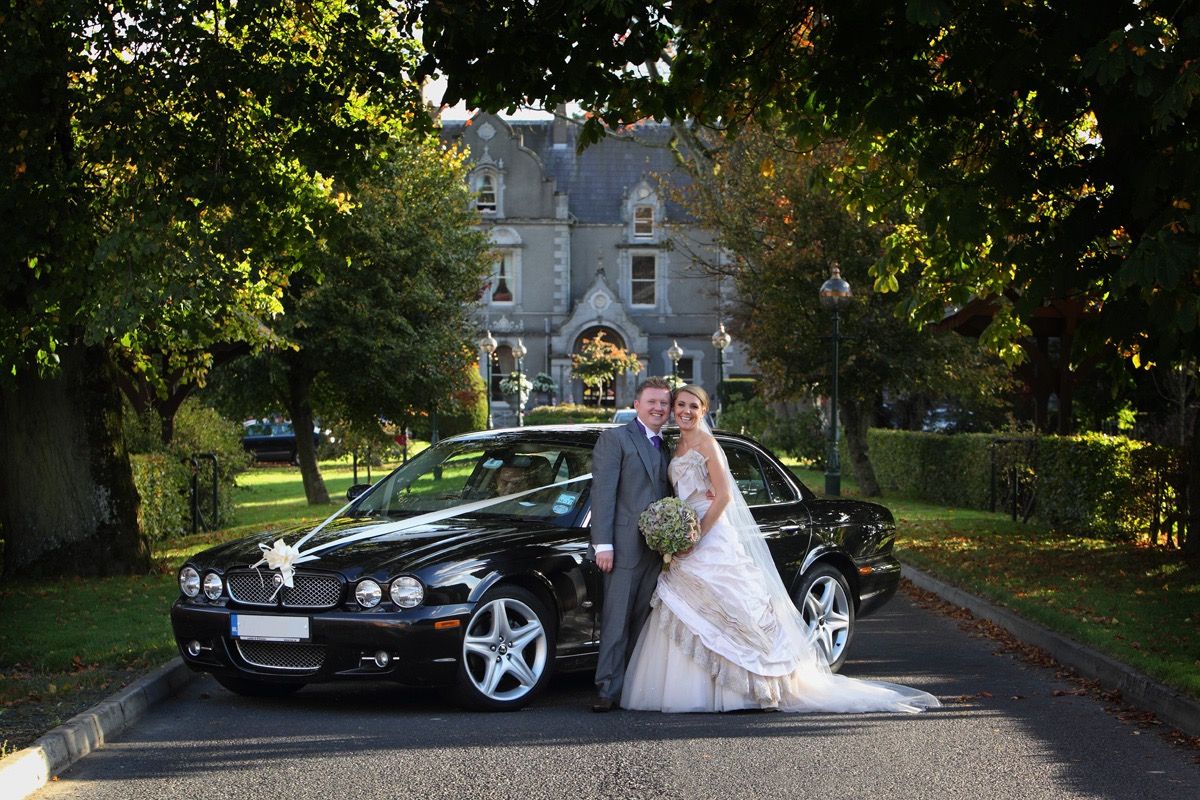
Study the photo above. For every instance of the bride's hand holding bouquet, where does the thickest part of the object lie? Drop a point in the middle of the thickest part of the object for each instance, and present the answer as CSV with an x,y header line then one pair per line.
x,y
670,527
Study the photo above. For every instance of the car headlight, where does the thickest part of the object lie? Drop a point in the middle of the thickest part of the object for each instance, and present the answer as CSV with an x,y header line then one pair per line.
x,y
189,581
368,593
213,586
407,592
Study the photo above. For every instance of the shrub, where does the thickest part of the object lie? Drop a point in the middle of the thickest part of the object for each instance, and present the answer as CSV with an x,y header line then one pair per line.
x,y
797,433
163,474
163,483
954,470
736,390
1088,484
566,414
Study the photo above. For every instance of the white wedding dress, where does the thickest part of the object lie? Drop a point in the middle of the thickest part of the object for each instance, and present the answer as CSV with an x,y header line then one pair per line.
x,y
717,640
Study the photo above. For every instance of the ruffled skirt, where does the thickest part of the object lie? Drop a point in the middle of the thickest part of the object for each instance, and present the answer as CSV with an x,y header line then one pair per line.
x,y
714,642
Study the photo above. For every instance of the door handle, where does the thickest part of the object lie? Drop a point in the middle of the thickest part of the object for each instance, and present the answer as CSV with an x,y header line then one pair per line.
x,y
790,528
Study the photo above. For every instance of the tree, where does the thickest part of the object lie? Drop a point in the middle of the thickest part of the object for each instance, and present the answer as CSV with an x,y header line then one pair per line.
x,y
386,332
784,231
600,361
165,168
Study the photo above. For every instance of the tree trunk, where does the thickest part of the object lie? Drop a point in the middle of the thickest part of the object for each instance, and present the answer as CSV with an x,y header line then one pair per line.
x,y
299,385
856,418
68,505
1191,537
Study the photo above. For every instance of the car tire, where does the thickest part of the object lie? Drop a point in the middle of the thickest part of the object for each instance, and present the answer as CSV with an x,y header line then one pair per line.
x,y
508,651
249,687
827,605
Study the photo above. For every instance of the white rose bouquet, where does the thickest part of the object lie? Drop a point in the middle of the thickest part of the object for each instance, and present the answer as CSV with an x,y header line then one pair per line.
x,y
669,525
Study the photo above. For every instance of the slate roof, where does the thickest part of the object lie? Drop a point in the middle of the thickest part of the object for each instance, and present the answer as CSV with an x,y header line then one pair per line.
x,y
598,179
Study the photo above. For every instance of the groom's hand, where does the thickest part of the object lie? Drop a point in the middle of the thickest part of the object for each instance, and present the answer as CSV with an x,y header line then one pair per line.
x,y
605,561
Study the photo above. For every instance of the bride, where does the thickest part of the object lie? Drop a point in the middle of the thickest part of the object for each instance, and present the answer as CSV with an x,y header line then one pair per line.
x,y
723,634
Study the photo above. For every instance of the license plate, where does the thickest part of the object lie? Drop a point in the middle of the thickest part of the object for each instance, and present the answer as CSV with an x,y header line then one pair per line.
x,y
264,628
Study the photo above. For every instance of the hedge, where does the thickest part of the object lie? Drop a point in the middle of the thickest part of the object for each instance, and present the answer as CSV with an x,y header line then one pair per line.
x,y
162,482
1086,484
567,414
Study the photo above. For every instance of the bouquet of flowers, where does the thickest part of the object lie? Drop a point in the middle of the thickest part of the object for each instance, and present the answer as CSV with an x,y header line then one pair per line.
x,y
669,525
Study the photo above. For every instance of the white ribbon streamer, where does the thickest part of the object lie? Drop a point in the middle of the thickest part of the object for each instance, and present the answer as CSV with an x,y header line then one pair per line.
x,y
284,557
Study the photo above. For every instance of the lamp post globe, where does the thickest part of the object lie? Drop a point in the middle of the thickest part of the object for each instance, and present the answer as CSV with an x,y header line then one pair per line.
x,y
720,340
835,295
674,352
488,345
519,352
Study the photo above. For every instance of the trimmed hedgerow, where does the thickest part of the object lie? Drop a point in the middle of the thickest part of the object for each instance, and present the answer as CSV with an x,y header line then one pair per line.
x,y
1085,484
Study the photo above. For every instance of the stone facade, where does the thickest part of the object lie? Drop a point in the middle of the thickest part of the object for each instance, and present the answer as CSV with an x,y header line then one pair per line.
x,y
589,242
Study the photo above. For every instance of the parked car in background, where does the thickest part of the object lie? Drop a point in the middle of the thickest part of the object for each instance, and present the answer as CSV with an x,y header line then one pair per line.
x,y
469,567
273,441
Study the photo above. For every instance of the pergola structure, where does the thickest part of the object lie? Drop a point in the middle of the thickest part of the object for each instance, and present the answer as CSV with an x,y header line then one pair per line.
x,y
1052,369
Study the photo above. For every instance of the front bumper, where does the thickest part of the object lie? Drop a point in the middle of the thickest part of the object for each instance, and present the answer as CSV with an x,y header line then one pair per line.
x,y
341,644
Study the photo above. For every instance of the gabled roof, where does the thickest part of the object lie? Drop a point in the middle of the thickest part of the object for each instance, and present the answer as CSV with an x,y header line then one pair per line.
x,y
598,179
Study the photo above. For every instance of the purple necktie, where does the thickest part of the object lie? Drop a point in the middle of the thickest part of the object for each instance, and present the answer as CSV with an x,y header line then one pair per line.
x,y
657,441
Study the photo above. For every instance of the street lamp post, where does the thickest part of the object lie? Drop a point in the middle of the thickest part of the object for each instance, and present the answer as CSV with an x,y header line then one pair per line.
x,y
674,352
720,340
488,345
835,295
519,352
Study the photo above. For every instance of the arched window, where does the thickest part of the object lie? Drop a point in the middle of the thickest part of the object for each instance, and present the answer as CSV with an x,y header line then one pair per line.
x,y
486,202
502,366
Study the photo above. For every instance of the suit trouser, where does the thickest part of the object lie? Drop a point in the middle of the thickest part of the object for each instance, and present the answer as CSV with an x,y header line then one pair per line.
x,y
627,592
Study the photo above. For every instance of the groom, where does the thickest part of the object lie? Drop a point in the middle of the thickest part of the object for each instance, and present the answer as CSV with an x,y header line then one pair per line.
x,y
629,472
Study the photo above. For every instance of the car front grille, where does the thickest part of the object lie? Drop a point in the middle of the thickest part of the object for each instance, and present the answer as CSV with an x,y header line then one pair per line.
x,y
259,588
282,655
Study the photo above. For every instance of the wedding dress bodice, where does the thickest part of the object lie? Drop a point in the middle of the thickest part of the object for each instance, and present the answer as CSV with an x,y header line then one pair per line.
x,y
689,477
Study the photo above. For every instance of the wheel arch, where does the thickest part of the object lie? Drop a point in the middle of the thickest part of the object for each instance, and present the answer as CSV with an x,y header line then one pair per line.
x,y
531,581
836,559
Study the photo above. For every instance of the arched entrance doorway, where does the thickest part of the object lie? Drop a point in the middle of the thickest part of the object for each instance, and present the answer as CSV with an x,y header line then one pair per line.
x,y
606,395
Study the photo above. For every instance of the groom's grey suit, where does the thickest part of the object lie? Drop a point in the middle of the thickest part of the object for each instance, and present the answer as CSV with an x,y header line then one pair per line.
x,y
628,474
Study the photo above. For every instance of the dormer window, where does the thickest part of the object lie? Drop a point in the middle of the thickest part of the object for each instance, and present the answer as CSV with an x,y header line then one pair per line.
x,y
643,222
486,202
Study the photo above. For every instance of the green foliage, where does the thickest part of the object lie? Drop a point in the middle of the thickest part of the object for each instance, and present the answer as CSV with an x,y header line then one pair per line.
x,y
953,470
600,361
796,433
469,409
566,414
735,390
1086,485
162,473
163,482
544,383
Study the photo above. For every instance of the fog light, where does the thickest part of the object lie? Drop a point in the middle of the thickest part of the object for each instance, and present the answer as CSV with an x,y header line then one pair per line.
x,y
193,648
382,659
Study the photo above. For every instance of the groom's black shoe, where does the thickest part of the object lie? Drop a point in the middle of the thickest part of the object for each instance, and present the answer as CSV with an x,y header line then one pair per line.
x,y
602,705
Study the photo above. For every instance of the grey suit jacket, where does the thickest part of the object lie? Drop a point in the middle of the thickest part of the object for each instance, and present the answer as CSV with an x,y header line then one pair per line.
x,y
628,474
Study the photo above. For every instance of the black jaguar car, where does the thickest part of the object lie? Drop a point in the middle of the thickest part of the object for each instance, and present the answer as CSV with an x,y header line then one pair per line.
x,y
469,567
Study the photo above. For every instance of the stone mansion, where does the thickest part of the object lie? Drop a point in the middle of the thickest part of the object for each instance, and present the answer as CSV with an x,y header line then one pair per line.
x,y
588,243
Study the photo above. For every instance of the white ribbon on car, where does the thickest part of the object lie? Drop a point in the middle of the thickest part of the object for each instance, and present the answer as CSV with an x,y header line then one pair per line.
x,y
284,557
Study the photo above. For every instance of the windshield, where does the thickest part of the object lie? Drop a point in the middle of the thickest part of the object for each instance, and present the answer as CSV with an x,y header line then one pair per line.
x,y
495,478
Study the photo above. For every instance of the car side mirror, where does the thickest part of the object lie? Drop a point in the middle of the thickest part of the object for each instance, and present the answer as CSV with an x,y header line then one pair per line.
x,y
357,490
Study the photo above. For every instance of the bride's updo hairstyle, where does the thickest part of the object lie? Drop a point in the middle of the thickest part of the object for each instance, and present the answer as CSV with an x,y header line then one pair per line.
x,y
694,391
